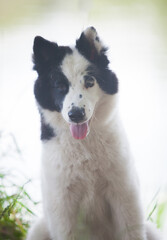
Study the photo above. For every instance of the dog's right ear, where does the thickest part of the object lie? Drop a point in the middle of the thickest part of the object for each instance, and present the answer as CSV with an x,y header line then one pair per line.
x,y
44,52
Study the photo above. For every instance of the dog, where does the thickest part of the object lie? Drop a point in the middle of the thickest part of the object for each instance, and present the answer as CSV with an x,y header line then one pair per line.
x,y
89,184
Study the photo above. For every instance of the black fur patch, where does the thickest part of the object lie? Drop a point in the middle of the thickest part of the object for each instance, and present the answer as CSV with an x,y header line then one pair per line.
x,y
106,79
50,90
47,131
51,86
88,50
47,54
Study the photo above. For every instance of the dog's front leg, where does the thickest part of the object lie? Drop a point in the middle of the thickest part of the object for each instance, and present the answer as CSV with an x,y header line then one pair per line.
x,y
127,215
61,209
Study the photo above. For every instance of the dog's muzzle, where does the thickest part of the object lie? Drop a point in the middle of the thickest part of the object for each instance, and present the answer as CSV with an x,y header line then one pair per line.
x,y
77,114
79,127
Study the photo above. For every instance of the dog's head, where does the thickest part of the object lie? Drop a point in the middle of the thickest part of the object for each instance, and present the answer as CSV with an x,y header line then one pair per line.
x,y
72,80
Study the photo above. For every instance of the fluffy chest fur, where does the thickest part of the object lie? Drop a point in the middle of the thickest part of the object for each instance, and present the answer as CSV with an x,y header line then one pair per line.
x,y
92,161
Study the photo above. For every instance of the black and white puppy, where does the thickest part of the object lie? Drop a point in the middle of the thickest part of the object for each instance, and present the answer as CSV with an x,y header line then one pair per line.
x,y
89,182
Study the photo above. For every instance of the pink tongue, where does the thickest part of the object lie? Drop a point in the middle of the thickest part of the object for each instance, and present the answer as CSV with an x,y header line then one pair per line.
x,y
79,131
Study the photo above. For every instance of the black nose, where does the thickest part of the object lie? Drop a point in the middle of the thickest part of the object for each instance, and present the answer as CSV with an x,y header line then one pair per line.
x,y
77,114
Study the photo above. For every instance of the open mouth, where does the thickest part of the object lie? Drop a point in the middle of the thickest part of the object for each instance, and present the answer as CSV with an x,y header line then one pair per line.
x,y
79,130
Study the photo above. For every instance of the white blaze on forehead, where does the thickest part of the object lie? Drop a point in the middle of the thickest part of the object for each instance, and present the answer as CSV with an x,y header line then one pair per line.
x,y
74,67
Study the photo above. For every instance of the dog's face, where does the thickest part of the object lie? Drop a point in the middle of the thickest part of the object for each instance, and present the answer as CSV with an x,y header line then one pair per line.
x,y
71,81
83,94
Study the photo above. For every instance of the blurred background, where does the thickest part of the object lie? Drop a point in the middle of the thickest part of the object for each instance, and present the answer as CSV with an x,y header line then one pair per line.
x,y
135,32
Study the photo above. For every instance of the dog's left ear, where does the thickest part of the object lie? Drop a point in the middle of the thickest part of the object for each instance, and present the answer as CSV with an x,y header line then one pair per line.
x,y
90,45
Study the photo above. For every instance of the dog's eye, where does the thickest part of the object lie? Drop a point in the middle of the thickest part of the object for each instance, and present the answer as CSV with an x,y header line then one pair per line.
x,y
59,82
61,87
89,81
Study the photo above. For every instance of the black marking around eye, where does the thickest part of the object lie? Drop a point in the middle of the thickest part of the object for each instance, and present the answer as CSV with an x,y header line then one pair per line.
x,y
50,89
89,81
80,95
105,78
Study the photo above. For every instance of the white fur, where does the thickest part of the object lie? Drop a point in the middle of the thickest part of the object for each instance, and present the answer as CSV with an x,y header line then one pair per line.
x,y
73,67
92,35
90,179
